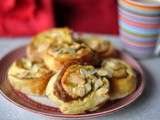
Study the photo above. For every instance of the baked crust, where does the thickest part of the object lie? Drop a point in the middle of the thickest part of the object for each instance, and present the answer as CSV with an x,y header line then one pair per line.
x,y
29,77
41,42
77,89
103,48
59,55
122,77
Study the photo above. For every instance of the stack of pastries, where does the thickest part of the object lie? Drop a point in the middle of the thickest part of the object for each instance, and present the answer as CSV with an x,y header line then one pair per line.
x,y
78,74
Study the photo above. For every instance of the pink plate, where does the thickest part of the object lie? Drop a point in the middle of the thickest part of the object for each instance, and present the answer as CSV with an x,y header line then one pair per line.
x,y
27,103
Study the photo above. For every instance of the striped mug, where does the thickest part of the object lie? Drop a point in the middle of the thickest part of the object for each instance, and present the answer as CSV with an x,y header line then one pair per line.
x,y
139,26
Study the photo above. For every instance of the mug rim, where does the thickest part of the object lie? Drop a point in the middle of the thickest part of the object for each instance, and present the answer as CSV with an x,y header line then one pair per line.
x,y
135,2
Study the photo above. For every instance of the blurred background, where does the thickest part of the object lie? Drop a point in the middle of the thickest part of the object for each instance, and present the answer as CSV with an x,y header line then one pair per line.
x,y
28,17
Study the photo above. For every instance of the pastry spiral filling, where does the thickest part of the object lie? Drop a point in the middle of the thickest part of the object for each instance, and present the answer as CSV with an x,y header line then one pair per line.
x,y
78,81
113,69
68,50
42,41
102,47
54,35
59,55
116,68
26,69
98,45
121,75
29,77
77,86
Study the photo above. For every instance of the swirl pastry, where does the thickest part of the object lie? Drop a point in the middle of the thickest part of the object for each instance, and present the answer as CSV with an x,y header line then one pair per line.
x,y
77,89
42,41
29,77
122,77
103,48
58,55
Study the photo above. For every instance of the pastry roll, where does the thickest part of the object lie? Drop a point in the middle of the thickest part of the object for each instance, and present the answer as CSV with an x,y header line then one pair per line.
x,y
103,48
122,77
42,41
29,77
78,89
58,55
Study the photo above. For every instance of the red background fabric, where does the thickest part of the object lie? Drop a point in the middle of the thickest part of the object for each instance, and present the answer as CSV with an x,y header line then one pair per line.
x,y
99,16
25,17
28,17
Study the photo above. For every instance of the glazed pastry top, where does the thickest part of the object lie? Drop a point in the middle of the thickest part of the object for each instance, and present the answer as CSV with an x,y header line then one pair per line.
x,y
78,81
68,50
97,44
43,40
24,68
78,88
115,68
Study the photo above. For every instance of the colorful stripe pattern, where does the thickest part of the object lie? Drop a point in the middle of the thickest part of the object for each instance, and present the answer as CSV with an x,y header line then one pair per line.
x,y
139,26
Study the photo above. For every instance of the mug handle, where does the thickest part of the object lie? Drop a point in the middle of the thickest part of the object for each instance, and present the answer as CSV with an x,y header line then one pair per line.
x,y
157,51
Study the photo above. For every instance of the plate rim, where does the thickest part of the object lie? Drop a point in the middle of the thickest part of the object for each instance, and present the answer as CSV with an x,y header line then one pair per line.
x,y
79,116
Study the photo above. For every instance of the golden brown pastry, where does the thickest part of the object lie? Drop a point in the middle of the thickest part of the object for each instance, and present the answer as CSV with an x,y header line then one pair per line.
x,y
78,89
60,54
102,47
122,77
42,41
29,77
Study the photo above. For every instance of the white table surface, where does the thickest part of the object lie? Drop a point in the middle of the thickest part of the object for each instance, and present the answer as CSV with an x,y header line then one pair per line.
x,y
147,107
